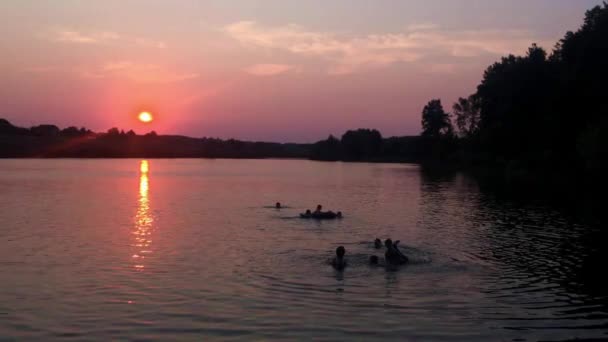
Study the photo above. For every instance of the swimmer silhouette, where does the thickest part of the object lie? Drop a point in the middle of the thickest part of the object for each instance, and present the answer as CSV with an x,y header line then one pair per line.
x,y
393,255
308,214
377,244
338,262
403,257
278,205
373,260
321,215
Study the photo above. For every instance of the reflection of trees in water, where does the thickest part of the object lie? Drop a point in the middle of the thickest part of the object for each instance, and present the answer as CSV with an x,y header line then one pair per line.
x,y
438,198
431,174
549,244
538,248
589,275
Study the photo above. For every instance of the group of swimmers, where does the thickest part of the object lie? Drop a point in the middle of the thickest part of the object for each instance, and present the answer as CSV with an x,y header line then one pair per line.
x,y
320,214
317,214
393,256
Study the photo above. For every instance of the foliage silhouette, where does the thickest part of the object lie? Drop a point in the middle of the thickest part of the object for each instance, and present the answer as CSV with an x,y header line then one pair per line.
x,y
544,114
466,114
435,121
48,141
361,144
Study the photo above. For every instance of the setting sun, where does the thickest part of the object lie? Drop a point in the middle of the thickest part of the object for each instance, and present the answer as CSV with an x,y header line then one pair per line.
x,y
145,117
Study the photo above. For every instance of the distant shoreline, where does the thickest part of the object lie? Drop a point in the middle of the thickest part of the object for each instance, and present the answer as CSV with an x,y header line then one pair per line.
x,y
219,158
49,141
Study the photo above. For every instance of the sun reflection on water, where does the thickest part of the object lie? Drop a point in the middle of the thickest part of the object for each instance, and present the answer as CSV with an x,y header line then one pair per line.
x,y
144,167
143,218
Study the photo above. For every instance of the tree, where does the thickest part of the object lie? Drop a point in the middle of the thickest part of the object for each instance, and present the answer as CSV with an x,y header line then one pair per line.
x,y
84,131
328,149
545,112
70,132
8,128
435,121
466,112
113,132
45,130
361,144
516,103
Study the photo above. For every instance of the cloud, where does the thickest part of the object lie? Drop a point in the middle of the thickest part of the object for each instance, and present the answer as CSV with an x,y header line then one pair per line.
x,y
76,37
422,27
150,43
69,36
42,69
348,53
138,72
268,69
133,71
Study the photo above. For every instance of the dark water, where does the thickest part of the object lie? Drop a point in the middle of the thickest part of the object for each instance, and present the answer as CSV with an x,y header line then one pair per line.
x,y
188,250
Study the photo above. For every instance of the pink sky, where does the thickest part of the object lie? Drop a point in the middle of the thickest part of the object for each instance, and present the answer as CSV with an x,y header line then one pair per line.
x,y
258,70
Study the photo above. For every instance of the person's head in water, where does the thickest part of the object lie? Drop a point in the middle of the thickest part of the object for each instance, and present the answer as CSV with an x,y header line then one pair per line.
x,y
339,262
373,260
308,212
388,243
340,251
278,205
377,243
339,214
319,207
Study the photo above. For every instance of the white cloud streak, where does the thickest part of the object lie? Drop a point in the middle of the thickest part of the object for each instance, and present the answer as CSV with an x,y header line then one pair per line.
x,y
69,36
138,72
347,54
128,70
269,69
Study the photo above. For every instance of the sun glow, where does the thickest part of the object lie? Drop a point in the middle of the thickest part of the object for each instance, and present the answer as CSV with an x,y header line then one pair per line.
x,y
145,117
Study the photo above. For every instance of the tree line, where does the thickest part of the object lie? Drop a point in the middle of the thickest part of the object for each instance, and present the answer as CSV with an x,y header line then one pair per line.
x,y
539,113
49,141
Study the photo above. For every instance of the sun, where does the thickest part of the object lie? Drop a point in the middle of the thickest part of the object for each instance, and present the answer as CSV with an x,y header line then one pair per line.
x,y
145,117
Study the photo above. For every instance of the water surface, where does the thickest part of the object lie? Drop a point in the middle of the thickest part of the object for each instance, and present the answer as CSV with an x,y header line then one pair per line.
x,y
190,249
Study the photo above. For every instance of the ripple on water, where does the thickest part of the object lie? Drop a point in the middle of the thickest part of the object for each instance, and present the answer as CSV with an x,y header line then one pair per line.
x,y
219,264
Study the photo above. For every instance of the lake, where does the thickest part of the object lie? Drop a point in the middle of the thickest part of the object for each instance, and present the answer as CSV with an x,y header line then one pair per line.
x,y
192,249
